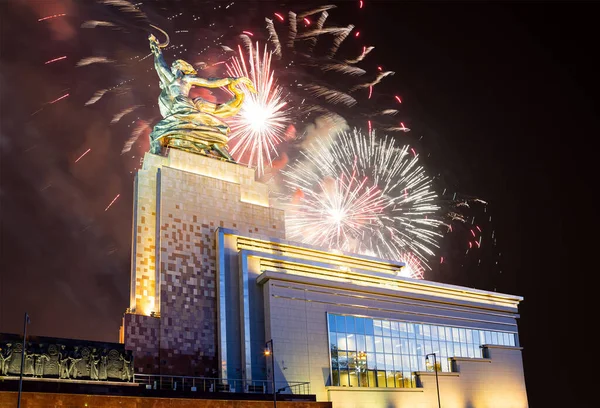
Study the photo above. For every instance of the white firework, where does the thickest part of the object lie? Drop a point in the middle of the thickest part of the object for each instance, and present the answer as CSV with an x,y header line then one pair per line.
x,y
360,194
260,126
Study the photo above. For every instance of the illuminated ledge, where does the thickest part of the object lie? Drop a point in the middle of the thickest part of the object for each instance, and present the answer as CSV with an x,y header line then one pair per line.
x,y
440,374
349,263
368,389
405,292
471,360
494,346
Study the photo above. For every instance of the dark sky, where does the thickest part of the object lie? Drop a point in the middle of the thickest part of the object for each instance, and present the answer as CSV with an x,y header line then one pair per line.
x,y
500,92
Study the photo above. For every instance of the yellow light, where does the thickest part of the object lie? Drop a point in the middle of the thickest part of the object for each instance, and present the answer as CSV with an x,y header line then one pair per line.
x,y
267,352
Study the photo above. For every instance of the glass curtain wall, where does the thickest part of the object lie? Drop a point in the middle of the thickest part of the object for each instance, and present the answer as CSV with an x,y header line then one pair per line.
x,y
369,352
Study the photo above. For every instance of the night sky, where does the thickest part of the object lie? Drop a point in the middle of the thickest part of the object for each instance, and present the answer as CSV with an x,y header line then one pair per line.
x,y
499,93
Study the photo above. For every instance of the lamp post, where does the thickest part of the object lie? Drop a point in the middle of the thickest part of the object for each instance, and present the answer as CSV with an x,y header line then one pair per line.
x,y
437,384
270,352
25,323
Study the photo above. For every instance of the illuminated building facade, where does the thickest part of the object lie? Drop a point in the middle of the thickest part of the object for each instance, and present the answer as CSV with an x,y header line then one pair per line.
x,y
213,280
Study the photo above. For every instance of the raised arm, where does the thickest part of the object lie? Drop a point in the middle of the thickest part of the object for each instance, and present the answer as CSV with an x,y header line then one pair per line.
x,y
160,65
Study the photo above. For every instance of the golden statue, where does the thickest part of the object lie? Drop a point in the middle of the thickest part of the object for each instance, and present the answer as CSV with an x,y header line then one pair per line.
x,y
190,124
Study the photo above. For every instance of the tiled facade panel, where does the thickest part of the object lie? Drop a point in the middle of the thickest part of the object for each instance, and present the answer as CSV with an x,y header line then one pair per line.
x,y
190,207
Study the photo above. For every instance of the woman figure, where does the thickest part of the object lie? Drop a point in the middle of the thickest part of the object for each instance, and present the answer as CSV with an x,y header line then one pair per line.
x,y
191,124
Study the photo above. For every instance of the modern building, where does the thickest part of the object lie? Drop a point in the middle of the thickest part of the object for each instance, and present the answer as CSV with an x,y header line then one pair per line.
x,y
214,282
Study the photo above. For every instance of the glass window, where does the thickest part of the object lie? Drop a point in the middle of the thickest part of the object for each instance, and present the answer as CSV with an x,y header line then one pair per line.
x,y
408,383
340,322
389,362
335,377
396,346
350,324
387,345
397,362
395,329
412,346
370,343
445,367
390,379
360,342
385,326
369,326
377,327
379,344
399,380
360,324
462,335
371,362
380,358
428,347
455,336
331,320
344,380
426,331
381,378
405,362
420,348
419,331
351,341
469,336
403,329
389,351
341,338
434,333
371,378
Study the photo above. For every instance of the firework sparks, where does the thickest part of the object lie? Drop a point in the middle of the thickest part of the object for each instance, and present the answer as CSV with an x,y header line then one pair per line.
x,y
93,60
112,202
261,124
97,23
52,16
58,99
55,59
354,200
86,152
124,112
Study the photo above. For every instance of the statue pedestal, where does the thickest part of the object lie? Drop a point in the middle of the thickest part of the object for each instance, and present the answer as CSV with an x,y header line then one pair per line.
x,y
179,201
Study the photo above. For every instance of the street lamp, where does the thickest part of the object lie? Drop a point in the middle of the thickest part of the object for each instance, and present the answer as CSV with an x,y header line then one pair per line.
x,y
25,323
437,384
270,352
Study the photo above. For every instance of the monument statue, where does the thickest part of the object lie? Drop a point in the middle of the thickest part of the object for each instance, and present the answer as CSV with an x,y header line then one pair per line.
x,y
192,124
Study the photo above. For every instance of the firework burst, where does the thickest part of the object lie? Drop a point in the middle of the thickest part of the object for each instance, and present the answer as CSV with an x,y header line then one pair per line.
x,y
360,194
260,126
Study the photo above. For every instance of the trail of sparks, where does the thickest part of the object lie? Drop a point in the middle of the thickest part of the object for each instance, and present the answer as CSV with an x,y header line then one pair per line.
x,y
112,202
55,59
58,99
53,16
86,152
365,195
259,127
